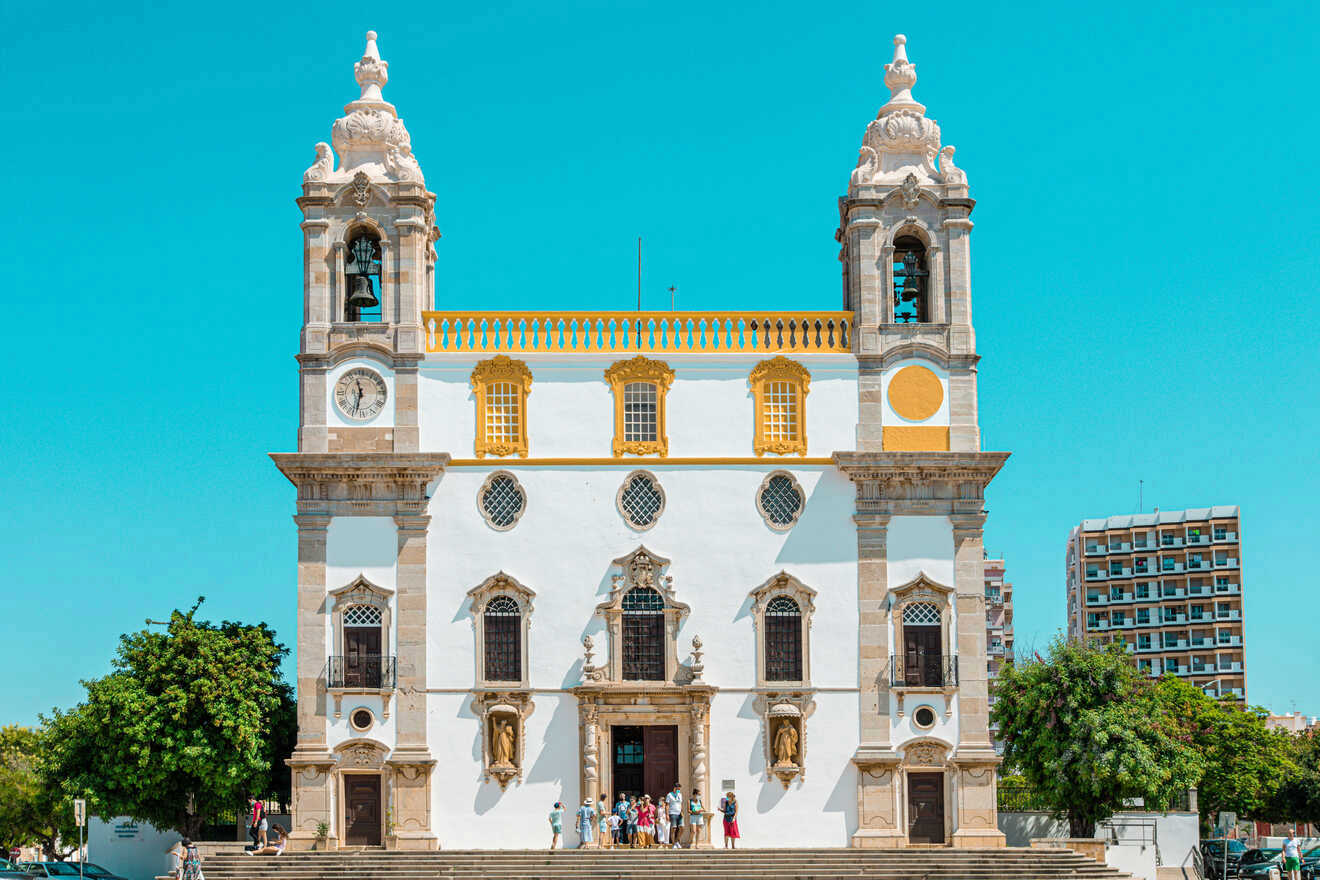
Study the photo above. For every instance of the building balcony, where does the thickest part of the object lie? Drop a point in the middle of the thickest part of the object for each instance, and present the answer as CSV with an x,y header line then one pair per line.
x,y
1228,538
1228,641
1171,568
1200,540
751,332
937,672
1115,573
1096,575
1234,614
1171,541
1230,666
1228,589
1231,562
1199,565
361,672
1095,550
1121,547
994,650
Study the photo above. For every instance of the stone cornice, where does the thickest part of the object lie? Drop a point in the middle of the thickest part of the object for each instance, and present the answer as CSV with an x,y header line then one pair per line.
x,y
361,483
935,483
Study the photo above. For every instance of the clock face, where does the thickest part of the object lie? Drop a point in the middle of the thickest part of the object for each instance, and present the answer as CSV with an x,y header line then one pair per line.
x,y
360,394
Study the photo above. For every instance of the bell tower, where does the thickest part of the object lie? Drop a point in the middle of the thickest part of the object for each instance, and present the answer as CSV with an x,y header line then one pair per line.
x,y
904,228
368,268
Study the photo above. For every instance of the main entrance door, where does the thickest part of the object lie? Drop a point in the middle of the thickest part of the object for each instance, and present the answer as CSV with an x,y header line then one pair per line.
x,y
925,807
645,759
362,809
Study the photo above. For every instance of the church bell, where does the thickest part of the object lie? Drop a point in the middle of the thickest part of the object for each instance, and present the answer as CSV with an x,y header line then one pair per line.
x,y
361,296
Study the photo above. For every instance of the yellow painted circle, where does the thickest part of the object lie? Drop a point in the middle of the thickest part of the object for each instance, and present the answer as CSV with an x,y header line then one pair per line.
x,y
915,393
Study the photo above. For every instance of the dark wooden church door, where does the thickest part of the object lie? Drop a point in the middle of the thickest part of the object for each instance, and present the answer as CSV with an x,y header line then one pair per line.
x,y
925,807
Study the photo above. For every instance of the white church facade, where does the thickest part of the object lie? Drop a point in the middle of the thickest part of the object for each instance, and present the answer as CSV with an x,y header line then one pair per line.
x,y
549,556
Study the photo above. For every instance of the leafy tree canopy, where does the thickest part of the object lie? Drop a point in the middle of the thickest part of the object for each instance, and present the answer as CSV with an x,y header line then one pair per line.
x,y
1089,733
1245,762
31,811
189,722
1297,798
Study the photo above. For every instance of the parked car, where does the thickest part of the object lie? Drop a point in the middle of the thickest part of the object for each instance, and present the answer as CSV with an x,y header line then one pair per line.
x,y
99,873
1213,859
63,870
10,871
1311,864
1261,864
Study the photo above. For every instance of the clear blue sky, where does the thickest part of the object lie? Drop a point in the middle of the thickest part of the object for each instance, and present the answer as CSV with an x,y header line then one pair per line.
x,y
1145,260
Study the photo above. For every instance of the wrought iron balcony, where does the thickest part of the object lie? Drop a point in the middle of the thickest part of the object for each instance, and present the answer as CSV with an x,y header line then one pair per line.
x,y
366,671
935,671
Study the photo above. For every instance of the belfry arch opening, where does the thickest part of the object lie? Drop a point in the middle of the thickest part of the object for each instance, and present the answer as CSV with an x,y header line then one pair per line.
x,y
911,281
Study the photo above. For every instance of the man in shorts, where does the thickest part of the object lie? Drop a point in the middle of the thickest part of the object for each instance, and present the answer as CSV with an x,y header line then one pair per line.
x,y
1292,856
674,806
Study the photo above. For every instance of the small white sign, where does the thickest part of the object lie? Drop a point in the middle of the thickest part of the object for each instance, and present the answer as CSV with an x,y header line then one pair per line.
x,y
79,812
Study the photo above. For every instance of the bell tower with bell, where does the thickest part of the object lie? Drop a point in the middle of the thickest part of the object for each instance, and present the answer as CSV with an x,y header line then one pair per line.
x,y
368,249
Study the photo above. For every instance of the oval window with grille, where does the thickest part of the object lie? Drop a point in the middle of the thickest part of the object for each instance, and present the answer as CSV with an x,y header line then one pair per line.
x,y
641,500
501,500
780,500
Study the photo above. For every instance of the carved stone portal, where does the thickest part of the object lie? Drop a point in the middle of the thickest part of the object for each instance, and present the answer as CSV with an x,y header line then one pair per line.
x,y
502,714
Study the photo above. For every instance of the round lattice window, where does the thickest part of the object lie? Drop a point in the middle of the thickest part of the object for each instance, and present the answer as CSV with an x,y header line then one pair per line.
x,y
779,500
641,500
501,500
361,719
924,717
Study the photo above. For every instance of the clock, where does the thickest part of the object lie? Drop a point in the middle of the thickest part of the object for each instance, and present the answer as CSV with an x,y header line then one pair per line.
x,y
360,394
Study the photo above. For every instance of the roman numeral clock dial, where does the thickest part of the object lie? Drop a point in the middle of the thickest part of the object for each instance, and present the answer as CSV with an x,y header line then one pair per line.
x,y
360,394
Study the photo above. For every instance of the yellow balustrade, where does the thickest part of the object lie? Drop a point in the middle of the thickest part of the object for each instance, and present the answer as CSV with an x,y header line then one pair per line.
x,y
608,332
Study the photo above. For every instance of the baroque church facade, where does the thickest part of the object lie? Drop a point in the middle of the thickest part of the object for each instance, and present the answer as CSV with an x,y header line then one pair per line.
x,y
547,556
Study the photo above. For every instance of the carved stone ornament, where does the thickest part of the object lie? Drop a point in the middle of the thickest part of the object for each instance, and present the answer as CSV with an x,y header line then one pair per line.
x,y
925,753
502,715
362,754
901,141
370,138
910,191
784,733
361,189
639,569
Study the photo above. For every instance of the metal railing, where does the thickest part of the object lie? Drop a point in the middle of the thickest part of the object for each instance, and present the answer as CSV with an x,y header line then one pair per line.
x,y
364,671
936,671
743,331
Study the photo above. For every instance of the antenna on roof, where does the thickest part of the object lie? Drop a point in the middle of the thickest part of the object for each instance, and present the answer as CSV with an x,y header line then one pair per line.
x,y
673,290
1141,496
639,273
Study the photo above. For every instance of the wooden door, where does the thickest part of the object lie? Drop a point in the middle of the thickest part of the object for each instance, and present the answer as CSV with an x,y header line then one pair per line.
x,y
362,665
922,658
660,755
362,809
925,807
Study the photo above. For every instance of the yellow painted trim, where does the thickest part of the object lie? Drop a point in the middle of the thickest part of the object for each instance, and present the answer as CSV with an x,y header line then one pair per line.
x,y
640,369
916,393
915,438
779,369
500,368
630,462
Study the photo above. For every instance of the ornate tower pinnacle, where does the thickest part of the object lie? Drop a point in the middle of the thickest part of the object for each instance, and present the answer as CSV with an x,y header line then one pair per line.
x,y
900,77
370,137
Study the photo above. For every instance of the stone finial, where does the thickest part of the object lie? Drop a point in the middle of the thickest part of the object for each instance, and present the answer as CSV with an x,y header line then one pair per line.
x,y
371,74
697,666
900,77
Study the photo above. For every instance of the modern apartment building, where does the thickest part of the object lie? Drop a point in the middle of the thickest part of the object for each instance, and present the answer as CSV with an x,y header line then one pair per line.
x,y
998,630
1169,585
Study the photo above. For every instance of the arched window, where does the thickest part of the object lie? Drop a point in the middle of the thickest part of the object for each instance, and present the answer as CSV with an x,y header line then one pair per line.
x,y
911,281
779,389
502,625
783,640
923,657
362,279
643,635
363,663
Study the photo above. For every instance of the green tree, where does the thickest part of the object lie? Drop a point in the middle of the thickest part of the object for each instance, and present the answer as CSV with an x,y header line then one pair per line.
x,y
189,722
31,811
1245,762
1088,732
1297,798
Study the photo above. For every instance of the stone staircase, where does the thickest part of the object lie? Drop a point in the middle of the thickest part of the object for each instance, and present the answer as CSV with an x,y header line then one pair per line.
x,y
741,864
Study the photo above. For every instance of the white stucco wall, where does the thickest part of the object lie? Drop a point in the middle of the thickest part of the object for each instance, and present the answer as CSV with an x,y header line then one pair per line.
x,y
570,410
721,550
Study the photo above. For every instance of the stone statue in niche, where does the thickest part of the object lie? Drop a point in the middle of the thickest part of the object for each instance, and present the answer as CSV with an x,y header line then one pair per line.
x,y
501,743
786,742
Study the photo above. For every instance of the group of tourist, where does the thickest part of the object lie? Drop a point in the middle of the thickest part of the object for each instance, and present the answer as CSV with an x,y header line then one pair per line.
x,y
637,822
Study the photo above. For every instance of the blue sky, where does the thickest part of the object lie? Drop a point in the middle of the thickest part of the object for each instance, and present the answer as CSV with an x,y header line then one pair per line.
x,y
1144,260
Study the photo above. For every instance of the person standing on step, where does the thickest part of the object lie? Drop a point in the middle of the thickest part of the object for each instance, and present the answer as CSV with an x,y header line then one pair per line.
x,y
616,834
602,823
586,822
556,824
647,822
621,828
696,817
190,867
632,821
254,820
729,807
674,806
661,824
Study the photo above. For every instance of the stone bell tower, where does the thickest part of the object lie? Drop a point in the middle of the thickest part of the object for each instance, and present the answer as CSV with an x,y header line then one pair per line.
x,y
926,766
368,236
